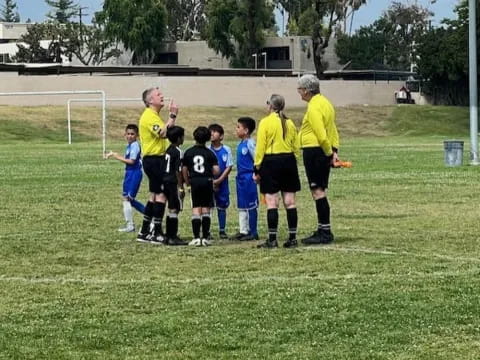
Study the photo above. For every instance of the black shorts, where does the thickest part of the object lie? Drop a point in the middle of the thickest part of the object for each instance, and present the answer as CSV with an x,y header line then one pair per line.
x,y
171,193
202,192
154,167
317,167
279,172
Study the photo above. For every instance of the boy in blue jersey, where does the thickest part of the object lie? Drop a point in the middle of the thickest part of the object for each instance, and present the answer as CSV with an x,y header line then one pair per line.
x,y
220,183
133,176
247,196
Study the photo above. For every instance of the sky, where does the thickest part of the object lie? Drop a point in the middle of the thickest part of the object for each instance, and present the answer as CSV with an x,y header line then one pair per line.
x,y
36,10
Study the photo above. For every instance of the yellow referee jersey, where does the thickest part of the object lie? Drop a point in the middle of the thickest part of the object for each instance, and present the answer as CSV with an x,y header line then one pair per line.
x,y
270,138
318,125
149,126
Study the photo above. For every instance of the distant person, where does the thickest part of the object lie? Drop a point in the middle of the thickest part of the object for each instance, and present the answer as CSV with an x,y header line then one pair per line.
x,y
132,178
247,195
276,169
220,182
153,132
173,184
199,167
320,142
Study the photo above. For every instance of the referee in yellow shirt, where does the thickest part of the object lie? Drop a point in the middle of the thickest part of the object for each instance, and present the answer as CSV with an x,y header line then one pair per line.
x,y
276,169
154,144
319,141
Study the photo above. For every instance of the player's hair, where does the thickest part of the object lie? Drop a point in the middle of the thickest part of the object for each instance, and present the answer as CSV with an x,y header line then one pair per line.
x,y
201,135
175,133
310,83
146,95
132,127
248,123
277,103
217,128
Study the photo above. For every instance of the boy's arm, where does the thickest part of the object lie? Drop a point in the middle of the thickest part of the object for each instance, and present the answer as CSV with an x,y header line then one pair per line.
x,y
185,175
223,176
216,170
120,158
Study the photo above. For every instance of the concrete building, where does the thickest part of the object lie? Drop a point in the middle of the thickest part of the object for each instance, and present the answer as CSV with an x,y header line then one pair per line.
x,y
292,52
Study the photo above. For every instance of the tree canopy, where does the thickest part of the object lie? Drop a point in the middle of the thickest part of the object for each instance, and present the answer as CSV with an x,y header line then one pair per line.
x,y
63,10
140,25
9,12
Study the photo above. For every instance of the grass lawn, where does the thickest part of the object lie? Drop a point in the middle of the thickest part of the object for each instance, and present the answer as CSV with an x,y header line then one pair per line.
x,y
401,280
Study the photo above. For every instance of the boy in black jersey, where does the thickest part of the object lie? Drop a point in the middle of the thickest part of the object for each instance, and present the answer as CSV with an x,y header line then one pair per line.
x,y
173,184
200,165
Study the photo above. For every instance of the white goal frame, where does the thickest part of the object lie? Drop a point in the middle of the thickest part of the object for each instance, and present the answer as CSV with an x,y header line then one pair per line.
x,y
70,92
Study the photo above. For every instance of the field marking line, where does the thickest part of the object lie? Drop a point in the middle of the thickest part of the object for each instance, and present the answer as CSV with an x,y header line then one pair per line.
x,y
430,256
247,279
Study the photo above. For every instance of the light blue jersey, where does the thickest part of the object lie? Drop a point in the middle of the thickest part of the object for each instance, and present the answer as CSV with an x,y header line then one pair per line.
x,y
225,160
247,196
132,151
133,173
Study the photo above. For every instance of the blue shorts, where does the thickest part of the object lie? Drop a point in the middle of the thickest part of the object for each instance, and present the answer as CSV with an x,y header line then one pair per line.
x,y
247,196
222,196
131,183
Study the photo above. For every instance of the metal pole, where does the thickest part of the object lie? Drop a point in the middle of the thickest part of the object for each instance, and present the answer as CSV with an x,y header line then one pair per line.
x,y
69,124
472,59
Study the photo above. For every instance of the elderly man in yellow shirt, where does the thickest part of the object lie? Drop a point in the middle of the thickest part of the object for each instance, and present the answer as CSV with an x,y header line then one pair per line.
x,y
154,144
319,141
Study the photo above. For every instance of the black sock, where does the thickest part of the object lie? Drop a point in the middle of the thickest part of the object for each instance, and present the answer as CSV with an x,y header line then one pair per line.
x,y
292,221
272,223
172,225
206,221
147,218
323,213
158,212
196,225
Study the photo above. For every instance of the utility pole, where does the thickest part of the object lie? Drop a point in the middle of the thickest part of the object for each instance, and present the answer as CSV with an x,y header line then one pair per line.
x,y
80,15
472,64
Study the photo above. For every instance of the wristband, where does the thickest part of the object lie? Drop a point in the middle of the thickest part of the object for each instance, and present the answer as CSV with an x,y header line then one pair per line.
x,y
173,116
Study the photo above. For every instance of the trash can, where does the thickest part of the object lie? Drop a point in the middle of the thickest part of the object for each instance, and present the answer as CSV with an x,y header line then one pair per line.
x,y
453,152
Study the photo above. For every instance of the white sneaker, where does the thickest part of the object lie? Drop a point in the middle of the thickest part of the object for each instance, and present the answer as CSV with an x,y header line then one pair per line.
x,y
127,229
206,242
195,242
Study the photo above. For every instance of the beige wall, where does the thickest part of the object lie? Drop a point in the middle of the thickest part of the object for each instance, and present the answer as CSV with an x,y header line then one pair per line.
x,y
12,31
189,91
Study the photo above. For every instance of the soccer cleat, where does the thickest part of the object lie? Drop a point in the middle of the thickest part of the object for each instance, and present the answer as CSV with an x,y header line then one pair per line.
x,y
157,240
127,229
289,244
175,241
145,238
206,242
237,236
319,237
222,235
247,237
268,245
195,242
326,236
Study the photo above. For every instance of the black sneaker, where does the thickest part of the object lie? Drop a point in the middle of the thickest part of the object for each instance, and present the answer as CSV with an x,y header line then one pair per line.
x,y
237,236
268,245
175,241
289,244
326,236
222,235
247,237
157,240
145,238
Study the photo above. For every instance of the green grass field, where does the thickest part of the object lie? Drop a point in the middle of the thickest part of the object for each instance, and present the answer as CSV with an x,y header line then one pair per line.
x,y
401,280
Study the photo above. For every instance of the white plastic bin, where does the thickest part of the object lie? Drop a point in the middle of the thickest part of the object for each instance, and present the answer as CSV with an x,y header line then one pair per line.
x,y
453,152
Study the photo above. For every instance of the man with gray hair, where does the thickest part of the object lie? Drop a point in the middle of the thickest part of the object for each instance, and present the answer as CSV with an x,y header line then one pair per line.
x,y
319,141
153,132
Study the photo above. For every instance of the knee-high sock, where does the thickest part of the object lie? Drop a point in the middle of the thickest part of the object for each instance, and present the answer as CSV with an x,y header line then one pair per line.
x,y
292,221
196,225
222,219
323,213
172,225
147,218
243,221
272,222
127,212
206,221
252,221
158,212
137,205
